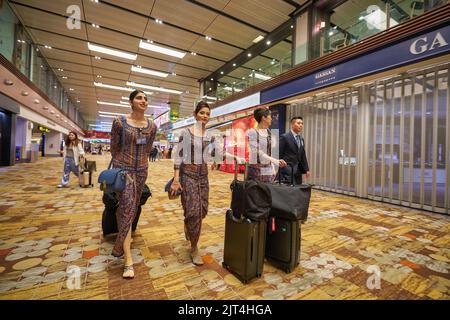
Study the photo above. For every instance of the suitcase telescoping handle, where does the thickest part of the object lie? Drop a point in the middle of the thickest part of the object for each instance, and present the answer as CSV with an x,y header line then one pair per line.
x,y
292,174
236,168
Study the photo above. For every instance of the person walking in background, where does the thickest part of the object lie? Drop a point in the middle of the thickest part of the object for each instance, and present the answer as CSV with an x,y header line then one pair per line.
x,y
72,152
292,150
260,142
132,155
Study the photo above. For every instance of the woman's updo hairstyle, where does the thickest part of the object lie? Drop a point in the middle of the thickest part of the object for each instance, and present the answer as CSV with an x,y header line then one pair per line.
x,y
200,105
259,113
135,93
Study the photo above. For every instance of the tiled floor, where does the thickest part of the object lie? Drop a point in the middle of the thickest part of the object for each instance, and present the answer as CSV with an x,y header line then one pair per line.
x,y
51,246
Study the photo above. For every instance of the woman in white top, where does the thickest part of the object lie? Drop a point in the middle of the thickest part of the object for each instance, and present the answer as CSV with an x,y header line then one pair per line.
x,y
72,152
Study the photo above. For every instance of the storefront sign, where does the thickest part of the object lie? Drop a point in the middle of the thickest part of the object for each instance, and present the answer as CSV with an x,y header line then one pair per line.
x,y
43,129
427,45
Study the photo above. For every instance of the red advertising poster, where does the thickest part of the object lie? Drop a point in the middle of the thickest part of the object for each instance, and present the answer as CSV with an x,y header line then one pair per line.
x,y
237,144
91,134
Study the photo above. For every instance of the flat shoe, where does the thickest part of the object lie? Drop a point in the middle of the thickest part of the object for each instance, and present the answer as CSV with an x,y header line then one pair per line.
x,y
197,259
128,272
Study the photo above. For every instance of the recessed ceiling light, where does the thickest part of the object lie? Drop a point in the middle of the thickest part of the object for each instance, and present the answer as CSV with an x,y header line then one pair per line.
x,y
112,52
98,58
258,39
113,104
36,101
249,54
95,26
212,79
163,50
99,76
153,88
221,72
8,82
158,21
234,64
193,53
47,47
268,42
108,86
208,38
25,93
71,89
149,71
64,77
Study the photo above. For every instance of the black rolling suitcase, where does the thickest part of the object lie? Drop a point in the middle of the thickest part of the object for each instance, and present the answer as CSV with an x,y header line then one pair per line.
x,y
243,253
290,204
245,229
283,243
109,220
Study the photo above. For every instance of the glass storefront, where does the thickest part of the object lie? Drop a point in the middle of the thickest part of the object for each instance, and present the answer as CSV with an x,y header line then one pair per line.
x,y
388,140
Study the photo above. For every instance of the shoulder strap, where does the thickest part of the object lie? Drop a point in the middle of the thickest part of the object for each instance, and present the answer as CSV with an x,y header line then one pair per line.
x,y
122,138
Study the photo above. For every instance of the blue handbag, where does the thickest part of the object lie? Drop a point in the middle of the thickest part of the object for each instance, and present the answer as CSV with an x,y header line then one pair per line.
x,y
114,180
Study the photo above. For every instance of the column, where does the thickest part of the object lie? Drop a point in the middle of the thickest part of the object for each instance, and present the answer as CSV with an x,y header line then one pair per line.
x,y
52,143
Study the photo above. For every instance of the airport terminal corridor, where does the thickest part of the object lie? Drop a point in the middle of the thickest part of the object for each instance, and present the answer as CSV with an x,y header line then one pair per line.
x,y
52,246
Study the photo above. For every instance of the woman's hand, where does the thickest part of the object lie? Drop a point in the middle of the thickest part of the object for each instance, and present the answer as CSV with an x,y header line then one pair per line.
x,y
282,163
175,187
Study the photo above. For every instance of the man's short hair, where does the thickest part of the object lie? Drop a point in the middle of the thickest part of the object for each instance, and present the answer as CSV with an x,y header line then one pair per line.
x,y
296,118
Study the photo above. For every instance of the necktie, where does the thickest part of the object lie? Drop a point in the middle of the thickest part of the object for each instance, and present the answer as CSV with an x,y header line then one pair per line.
x,y
297,138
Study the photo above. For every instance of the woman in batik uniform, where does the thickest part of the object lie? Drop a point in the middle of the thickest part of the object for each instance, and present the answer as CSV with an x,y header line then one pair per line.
x,y
132,155
191,175
260,141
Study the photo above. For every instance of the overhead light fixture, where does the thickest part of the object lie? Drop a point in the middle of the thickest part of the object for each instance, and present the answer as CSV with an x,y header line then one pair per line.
x,y
112,52
8,82
71,89
221,72
208,38
104,113
97,58
258,39
262,76
163,50
64,77
25,93
268,42
108,86
36,101
193,53
113,104
47,47
158,21
95,26
60,69
149,71
249,54
98,76
133,84
234,64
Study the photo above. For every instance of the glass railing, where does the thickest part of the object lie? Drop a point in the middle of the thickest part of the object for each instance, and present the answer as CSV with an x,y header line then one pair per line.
x,y
377,17
265,72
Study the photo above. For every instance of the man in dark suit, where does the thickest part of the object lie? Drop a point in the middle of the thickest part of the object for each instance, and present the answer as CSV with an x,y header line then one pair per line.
x,y
292,150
